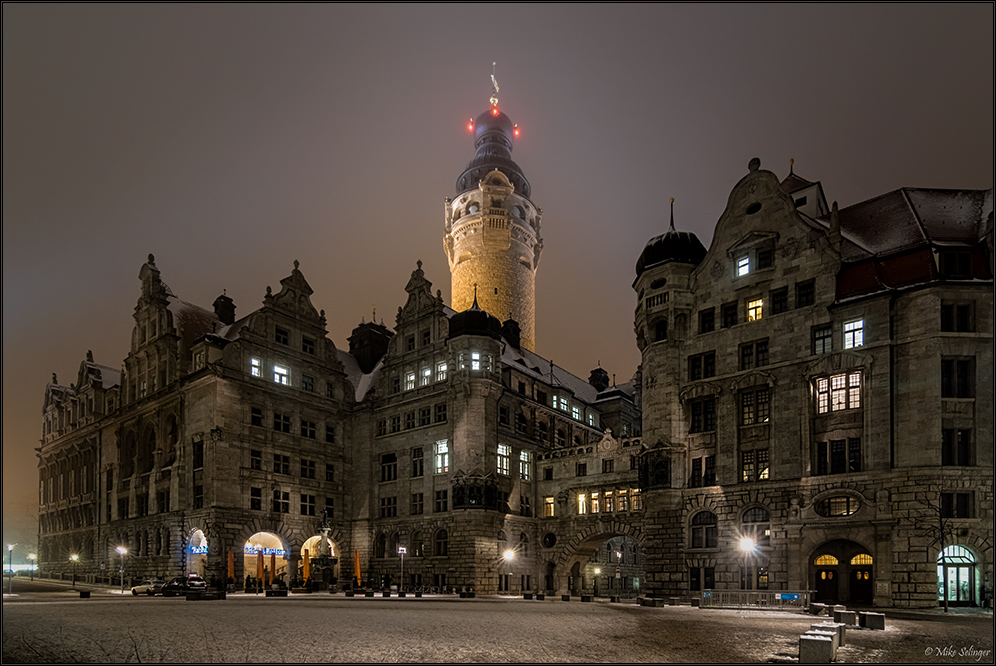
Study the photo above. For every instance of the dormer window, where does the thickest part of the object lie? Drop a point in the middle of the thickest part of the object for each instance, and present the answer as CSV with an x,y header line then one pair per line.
x,y
281,336
743,266
255,367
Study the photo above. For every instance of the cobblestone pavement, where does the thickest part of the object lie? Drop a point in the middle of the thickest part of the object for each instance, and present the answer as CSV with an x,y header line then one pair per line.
x,y
60,627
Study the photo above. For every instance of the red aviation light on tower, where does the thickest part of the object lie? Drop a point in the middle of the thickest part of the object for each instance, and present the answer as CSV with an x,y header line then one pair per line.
x,y
494,110
515,131
470,125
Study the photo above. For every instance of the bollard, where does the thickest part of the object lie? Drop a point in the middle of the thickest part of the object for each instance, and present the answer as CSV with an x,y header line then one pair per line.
x,y
815,649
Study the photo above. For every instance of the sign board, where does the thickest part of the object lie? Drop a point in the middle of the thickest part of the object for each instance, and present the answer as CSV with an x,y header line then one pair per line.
x,y
787,597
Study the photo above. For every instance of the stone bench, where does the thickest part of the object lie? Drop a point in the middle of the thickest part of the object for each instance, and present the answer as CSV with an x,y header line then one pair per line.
x,y
815,649
870,620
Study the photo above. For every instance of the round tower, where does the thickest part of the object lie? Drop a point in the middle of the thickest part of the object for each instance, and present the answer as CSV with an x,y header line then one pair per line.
x,y
492,237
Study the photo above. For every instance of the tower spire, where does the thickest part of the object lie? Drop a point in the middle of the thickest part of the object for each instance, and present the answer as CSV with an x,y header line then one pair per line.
x,y
672,214
494,87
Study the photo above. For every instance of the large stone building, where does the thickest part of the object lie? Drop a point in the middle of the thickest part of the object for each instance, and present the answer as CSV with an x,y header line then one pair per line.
x,y
817,380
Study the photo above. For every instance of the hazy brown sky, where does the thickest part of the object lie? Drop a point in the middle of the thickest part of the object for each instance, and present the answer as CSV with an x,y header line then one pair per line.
x,y
230,140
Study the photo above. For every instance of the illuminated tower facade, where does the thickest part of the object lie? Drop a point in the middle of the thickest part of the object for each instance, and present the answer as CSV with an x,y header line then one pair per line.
x,y
492,237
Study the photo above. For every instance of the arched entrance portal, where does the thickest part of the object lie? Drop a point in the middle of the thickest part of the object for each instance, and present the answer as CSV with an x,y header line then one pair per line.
x,y
265,560
319,564
605,565
843,572
197,552
956,579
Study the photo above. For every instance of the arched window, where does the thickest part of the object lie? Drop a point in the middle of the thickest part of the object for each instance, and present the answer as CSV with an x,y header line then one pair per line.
x,y
380,545
502,544
704,530
864,560
826,561
523,545
660,330
417,546
757,525
441,544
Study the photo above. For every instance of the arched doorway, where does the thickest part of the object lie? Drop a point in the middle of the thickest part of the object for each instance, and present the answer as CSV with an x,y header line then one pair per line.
x,y
197,552
318,563
265,559
606,564
843,572
956,577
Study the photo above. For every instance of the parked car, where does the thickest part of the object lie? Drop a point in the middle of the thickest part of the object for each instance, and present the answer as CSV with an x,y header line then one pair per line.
x,y
149,586
184,584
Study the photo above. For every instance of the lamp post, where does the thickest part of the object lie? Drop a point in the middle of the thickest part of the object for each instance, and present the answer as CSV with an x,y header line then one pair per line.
x,y
401,583
32,557
74,558
10,559
122,551
619,571
508,556
597,573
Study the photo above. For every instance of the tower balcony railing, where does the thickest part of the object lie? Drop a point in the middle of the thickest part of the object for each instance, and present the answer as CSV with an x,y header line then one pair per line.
x,y
497,212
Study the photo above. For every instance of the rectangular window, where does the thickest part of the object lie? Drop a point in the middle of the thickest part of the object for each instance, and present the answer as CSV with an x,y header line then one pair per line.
x,y
582,504
440,372
956,264
307,345
838,456
779,300
957,505
281,375
755,406
702,366
442,501
956,318
594,505
255,367
822,339
707,320
388,467
576,412
703,415
255,459
409,420
608,466
308,468
381,427
805,293
475,360
441,413
418,468
410,343
622,499
329,433
418,504
549,507
281,502
409,381
709,471
255,416
281,464
503,415
395,424
330,507
308,429
426,376
765,258
198,497
281,422
958,378
956,447
838,392
426,338
754,309
548,474
504,452
330,390
308,383
525,465
388,507
743,266
395,384
307,505
198,457
329,473
854,333
256,499
442,457
729,315
581,469
281,336
524,508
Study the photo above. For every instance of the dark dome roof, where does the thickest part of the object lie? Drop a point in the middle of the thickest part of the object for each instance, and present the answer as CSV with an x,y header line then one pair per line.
x,y
493,136
680,246
475,321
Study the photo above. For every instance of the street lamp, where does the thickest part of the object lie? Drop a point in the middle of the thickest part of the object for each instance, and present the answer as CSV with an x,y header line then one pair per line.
x,y
75,558
508,556
10,558
597,572
748,545
401,583
32,557
122,551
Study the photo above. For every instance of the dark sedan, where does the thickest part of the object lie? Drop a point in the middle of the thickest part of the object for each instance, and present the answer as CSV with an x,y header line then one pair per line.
x,y
184,584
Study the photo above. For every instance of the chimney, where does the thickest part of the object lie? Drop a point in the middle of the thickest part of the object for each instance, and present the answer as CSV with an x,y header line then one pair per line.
x,y
224,307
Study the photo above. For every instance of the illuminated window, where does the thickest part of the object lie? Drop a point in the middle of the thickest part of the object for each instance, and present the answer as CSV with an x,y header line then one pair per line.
x,y
442,456
409,381
426,376
754,465
594,502
838,392
281,375
622,499
525,465
475,360
754,309
608,501
863,559
757,526
591,420
755,406
549,507
440,372
255,367
504,452
576,413
836,506
826,561
854,333
582,504
743,266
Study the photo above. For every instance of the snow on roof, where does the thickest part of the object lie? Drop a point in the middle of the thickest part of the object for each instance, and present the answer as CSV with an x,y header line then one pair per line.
x,y
192,321
536,366
362,383
108,376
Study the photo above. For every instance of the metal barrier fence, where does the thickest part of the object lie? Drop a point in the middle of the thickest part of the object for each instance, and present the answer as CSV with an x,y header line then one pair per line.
x,y
773,599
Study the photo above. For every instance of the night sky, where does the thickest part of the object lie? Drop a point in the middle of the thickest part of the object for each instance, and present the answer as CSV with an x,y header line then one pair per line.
x,y
231,140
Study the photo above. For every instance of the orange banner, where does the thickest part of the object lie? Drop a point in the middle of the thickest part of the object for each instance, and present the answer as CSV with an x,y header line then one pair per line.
x,y
307,565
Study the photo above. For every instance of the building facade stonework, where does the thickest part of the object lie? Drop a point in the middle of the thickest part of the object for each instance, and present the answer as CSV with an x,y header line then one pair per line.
x,y
817,381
